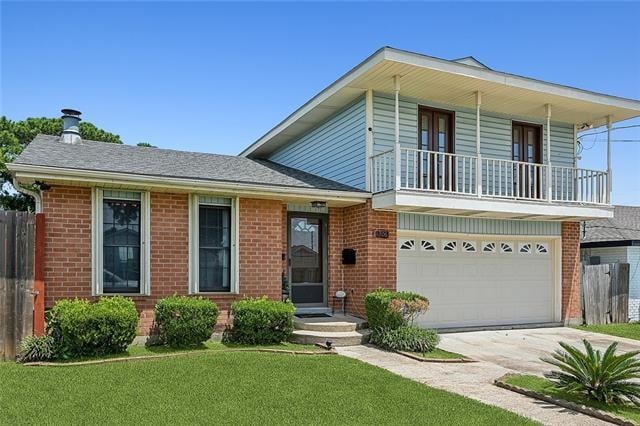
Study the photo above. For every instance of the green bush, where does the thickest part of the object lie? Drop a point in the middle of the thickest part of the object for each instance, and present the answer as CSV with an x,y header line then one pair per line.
x,y
261,321
393,309
36,348
185,321
405,338
80,328
607,378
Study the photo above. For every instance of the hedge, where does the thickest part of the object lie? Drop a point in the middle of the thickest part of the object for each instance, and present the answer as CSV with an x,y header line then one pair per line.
x,y
261,321
185,321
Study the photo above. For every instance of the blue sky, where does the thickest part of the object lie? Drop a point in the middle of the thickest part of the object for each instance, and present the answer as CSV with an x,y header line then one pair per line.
x,y
214,77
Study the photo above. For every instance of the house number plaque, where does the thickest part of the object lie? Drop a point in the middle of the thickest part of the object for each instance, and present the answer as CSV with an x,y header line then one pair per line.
x,y
381,233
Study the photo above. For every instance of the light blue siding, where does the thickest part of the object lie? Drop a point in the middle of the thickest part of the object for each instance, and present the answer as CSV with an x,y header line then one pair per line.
x,y
465,225
334,150
495,130
633,258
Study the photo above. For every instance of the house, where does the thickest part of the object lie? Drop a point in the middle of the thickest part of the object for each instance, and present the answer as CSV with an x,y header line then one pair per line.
x,y
613,240
443,177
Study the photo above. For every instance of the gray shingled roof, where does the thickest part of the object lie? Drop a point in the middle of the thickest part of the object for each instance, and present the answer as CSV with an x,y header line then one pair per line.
x,y
48,151
624,226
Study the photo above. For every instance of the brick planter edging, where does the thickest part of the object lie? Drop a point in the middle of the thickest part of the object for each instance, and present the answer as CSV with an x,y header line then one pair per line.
x,y
593,412
441,360
172,355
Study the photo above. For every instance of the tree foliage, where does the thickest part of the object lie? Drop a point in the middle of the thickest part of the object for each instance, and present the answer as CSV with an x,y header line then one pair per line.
x,y
16,135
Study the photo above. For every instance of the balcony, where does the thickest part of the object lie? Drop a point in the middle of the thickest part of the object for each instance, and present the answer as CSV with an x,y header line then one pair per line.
x,y
466,185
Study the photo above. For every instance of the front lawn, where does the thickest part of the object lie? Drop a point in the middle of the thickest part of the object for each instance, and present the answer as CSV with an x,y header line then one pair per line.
x,y
544,386
231,387
629,330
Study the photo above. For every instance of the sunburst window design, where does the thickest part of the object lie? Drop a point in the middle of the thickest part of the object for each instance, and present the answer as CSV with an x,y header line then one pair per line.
x,y
449,245
525,248
506,248
541,248
408,245
469,246
427,245
489,247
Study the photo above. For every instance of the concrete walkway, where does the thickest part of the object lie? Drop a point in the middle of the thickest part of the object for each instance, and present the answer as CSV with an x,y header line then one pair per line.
x,y
498,353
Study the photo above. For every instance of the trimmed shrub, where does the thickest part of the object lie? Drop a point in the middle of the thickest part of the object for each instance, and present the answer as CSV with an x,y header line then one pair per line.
x,y
405,338
185,321
80,328
393,309
36,348
261,321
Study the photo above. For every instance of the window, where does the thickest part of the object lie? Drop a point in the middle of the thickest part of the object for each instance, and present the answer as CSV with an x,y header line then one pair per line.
x,y
525,248
541,248
120,242
506,248
449,246
489,247
469,246
212,245
594,260
407,245
427,245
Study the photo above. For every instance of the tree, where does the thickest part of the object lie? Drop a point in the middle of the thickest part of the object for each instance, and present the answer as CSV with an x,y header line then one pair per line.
x,y
16,135
146,144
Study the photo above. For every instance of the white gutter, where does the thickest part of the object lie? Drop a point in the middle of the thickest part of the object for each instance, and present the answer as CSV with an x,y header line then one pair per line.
x,y
37,195
185,184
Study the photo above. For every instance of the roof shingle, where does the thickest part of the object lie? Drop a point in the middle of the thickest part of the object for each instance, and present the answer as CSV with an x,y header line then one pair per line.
x,y
88,155
624,226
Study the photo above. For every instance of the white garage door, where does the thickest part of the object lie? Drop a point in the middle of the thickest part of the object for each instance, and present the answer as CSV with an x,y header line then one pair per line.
x,y
478,281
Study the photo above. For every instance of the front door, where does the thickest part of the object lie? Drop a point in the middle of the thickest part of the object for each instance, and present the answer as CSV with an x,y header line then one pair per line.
x,y
527,149
436,136
307,259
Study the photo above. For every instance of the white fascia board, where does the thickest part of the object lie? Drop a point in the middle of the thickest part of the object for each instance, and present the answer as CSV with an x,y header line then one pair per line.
x,y
444,65
405,201
31,173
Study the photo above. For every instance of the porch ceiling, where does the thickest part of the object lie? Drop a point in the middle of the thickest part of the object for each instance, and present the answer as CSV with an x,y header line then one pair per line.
x,y
453,83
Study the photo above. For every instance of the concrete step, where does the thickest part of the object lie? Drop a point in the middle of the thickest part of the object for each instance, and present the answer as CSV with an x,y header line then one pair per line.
x,y
337,338
333,326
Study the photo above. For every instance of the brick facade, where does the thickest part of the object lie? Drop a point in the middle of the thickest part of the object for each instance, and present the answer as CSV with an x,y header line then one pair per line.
x,y
571,308
68,249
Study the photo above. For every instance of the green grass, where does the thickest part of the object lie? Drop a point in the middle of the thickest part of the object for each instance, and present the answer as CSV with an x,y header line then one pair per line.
x,y
219,387
140,350
629,330
544,386
439,354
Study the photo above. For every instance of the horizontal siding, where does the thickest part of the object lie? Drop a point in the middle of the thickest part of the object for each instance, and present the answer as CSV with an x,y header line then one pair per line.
x,y
633,257
465,225
334,150
607,254
495,130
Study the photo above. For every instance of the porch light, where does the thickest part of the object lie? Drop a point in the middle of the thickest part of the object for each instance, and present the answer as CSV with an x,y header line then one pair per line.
x,y
318,204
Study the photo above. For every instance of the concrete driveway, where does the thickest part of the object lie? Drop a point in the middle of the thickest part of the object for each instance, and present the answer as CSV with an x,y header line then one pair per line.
x,y
497,353
521,350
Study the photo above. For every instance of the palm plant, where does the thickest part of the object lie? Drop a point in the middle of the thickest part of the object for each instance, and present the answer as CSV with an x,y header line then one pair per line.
x,y
606,378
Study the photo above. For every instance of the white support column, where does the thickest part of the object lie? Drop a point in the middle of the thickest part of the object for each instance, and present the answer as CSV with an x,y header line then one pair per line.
x,y
368,131
478,155
396,86
609,159
548,108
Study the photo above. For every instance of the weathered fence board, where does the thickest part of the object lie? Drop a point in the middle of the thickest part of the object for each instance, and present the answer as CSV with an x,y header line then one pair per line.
x,y
17,243
605,293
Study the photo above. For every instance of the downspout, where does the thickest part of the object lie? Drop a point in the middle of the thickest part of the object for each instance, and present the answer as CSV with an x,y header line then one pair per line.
x,y
37,195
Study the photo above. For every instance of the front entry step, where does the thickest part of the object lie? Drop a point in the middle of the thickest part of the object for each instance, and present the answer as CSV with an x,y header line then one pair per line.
x,y
337,338
341,330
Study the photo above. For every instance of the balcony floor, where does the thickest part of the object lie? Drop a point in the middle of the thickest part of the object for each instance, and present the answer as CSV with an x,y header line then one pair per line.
x,y
486,207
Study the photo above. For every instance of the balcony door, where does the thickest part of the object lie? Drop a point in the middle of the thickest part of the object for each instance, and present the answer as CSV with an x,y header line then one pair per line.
x,y
436,136
527,148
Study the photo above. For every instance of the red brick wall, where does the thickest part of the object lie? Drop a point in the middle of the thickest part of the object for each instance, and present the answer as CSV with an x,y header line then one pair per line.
x,y
334,256
571,309
68,249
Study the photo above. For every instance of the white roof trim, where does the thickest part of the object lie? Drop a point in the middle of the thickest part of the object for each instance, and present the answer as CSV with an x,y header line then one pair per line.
x,y
429,62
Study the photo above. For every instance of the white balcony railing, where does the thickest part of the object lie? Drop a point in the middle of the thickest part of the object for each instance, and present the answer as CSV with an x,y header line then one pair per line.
x,y
430,171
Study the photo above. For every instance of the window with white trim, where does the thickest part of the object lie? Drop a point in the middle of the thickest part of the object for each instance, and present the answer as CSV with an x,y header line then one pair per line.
x,y
121,235
408,245
469,246
212,244
525,248
542,248
450,245
506,248
427,245
489,247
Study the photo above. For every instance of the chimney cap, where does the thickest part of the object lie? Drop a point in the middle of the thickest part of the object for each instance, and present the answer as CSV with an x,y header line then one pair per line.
x,y
71,112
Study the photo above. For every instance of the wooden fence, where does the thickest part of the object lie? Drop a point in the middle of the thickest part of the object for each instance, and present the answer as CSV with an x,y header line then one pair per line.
x,y
605,293
17,260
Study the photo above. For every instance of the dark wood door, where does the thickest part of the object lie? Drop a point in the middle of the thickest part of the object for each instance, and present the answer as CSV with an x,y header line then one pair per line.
x,y
436,135
527,148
